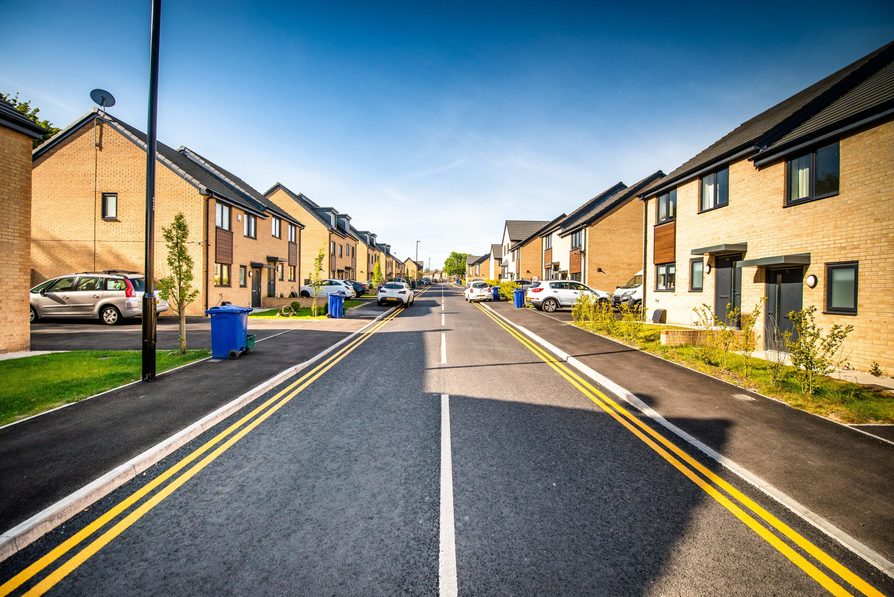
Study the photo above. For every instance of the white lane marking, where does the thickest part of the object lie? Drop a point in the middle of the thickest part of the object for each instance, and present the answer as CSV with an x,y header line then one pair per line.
x,y
447,586
443,348
442,320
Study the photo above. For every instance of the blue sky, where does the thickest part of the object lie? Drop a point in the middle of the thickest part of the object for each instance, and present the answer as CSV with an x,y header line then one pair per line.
x,y
432,121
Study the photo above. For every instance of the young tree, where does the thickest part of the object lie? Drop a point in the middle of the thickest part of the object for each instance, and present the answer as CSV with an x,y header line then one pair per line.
x,y
316,279
455,264
176,287
377,277
31,114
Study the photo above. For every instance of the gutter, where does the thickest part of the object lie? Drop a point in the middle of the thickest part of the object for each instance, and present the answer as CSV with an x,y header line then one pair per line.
x,y
713,165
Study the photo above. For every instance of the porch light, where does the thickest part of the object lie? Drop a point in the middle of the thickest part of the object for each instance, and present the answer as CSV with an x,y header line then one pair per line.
x,y
811,281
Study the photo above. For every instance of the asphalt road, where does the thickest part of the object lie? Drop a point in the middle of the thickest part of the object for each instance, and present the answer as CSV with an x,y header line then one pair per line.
x,y
359,484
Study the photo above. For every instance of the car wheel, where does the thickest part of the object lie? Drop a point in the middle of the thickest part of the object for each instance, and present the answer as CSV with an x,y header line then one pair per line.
x,y
550,305
305,294
602,303
34,316
110,315
379,303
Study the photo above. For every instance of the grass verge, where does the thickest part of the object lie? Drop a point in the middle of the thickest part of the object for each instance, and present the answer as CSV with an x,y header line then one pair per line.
x,y
836,399
302,313
35,384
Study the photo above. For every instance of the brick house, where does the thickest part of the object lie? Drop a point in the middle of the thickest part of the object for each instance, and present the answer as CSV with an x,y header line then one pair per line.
x,y
473,267
368,254
602,240
325,228
520,260
795,207
412,269
16,136
89,197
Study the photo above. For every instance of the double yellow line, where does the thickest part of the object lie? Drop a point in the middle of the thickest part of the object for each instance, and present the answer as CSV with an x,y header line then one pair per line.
x,y
730,498
226,439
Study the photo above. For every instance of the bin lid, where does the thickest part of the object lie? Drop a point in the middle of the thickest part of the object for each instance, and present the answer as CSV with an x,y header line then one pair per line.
x,y
228,309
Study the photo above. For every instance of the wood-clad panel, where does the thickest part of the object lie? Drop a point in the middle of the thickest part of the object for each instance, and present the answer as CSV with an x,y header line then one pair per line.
x,y
666,242
548,256
223,246
574,262
293,253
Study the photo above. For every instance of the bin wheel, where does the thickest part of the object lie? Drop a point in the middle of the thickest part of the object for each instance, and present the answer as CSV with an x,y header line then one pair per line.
x,y
234,354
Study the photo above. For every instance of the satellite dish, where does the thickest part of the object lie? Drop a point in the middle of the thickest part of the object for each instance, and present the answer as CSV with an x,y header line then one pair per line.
x,y
102,98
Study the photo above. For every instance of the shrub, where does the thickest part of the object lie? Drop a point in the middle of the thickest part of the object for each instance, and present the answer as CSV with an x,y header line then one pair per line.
x,y
813,352
507,289
295,305
747,323
875,370
632,322
582,311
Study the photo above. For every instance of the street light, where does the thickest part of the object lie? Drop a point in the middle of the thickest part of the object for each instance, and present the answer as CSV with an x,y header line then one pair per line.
x,y
149,312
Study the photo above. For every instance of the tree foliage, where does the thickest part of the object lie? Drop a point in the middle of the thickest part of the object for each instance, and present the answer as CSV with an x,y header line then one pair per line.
x,y
316,279
176,287
377,278
30,113
455,264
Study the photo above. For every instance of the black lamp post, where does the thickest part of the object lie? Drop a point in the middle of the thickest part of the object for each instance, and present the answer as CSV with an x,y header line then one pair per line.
x,y
149,313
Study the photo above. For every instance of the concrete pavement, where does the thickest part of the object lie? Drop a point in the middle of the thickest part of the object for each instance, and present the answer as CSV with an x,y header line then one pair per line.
x,y
339,488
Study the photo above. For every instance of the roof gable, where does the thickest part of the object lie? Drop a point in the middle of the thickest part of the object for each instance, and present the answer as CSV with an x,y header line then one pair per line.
x,y
520,229
775,123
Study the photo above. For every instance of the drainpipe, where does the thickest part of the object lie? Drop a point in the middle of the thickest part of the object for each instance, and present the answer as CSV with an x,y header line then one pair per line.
x,y
205,244
645,251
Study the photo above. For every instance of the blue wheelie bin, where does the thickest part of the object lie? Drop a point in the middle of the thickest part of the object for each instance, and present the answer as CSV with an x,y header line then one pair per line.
x,y
519,296
336,305
229,331
496,291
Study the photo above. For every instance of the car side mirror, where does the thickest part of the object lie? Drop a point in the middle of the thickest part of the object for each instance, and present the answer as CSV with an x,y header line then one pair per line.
x,y
43,292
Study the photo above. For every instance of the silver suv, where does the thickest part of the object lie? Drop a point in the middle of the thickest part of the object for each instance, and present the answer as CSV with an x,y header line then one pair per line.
x,y
110,296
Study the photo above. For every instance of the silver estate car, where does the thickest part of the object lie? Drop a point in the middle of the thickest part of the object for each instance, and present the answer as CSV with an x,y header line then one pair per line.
x,y
110,296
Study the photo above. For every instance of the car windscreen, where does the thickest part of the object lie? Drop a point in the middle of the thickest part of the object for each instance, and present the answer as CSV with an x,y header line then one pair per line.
x,y
633,282
41,286
394,286
139,284
535,285
479,285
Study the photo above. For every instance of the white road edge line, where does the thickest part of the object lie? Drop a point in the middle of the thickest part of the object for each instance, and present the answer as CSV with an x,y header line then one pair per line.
x,y
447,585
848,541
28,531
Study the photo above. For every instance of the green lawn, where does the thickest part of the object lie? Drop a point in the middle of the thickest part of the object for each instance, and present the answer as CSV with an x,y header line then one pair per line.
x,y
35,384
304,312
839,400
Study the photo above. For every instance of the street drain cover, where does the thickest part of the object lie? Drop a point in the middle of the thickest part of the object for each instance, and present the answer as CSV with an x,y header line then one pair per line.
x,y
744,397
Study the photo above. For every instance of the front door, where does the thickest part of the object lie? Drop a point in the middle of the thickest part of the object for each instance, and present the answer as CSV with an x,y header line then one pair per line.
x,y
727,286
784,295
256,287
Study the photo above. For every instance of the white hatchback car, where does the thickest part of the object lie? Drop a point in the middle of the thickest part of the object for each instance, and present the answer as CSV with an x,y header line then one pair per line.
x,y
328,287
550,295
479,291
398,292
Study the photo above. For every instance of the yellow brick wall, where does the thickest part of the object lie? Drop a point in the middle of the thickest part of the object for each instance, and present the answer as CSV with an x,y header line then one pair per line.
x,y
314,237
15,235
343,262
614,244
530,257
855,225
246,250
68,233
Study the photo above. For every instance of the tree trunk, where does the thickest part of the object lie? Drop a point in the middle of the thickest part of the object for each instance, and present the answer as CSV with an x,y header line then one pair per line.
x,y
182,331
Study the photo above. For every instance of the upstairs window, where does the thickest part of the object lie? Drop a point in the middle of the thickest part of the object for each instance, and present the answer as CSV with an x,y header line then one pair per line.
x,y
292,232
110,206
577,240
250,226
667,206
714,190
813,175
276,223
548,242
222,216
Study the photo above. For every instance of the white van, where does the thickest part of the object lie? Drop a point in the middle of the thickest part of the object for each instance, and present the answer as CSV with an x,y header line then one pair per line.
x,y
630,293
